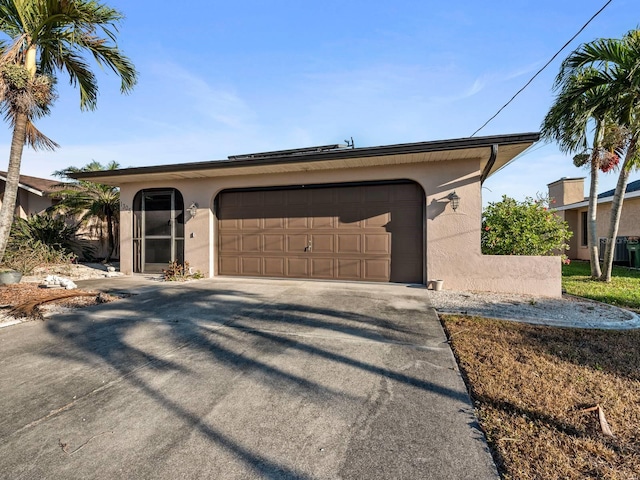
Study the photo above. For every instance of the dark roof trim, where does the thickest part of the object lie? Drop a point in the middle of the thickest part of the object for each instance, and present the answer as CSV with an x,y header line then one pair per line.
x,y
404,148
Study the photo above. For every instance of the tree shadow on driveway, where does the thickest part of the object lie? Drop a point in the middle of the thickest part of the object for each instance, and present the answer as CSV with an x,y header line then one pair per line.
x,y
237,334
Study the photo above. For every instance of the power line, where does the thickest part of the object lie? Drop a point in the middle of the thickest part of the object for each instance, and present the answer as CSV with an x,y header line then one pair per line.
x,y
545,66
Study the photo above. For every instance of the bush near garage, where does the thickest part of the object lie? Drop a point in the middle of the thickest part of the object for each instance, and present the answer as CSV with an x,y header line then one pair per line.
x,y
530,227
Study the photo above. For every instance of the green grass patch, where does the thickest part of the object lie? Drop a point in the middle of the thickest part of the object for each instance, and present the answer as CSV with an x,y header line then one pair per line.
x,y
623,291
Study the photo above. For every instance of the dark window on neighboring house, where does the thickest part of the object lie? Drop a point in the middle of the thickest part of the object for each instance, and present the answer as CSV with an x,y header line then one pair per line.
x,y
585,230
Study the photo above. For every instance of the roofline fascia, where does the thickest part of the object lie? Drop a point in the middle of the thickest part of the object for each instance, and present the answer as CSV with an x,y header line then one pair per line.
x,y
585,203
420,147
35,191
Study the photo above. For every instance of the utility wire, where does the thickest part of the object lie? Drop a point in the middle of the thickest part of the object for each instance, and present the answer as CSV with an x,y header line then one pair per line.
x,y
545,66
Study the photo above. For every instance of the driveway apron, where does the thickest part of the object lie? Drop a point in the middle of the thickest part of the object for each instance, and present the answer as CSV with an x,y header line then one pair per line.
x,y
236,379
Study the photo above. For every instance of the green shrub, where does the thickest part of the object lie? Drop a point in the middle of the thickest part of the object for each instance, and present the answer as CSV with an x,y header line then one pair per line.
x,y
51,231
29,255
510,227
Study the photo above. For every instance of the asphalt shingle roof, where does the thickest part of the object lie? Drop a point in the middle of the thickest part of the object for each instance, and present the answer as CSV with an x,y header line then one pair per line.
x,y
42,184
631,187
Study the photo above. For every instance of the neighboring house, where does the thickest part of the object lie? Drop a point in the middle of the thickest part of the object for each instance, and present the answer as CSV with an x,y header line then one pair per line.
x,y
35,194
335,213
572,206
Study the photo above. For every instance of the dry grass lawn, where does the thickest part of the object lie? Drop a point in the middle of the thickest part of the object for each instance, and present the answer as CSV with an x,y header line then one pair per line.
x,y
530,386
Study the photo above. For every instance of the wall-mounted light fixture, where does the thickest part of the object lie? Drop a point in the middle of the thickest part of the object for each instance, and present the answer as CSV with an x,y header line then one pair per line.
x,y
193,209
455,200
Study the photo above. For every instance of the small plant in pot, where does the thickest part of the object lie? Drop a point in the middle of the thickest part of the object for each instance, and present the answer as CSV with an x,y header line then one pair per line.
x,y
8,276
21,259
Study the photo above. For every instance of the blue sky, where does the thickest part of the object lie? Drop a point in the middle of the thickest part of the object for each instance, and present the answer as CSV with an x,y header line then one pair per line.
x,y
225,78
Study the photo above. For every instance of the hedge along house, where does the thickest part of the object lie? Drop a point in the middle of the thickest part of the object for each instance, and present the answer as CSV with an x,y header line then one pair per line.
x,y
408,213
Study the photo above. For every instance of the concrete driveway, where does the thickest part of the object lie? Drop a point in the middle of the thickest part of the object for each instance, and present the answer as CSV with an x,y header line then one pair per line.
x,y
237,379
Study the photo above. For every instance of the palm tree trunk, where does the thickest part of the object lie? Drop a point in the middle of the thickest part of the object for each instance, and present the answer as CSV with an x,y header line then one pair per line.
x,y
592,239
616,211
7,211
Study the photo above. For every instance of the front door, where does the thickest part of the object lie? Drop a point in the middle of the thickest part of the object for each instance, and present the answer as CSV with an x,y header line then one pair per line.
x,y
159,230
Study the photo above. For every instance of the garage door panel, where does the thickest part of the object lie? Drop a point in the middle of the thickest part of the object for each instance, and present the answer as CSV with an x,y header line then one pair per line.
x,y
297,243
350,219
349,195
273,222
229,200
229,243
322,267
322,223
229,266
298,221
348,269
298,267
251,266
377,270
378,193
228,224
379,244
402,270
274,243
274,198
250,224
274,266
251,199
321,196
363,232
373,219
411,194
407,217
297,197
348,243
251,243
322,243
406,245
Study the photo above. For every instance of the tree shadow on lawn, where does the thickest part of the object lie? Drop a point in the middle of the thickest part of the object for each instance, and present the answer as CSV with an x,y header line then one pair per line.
x,y
615,352
201,320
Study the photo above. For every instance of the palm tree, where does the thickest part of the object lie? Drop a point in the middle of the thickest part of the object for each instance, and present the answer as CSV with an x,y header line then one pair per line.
x,y
48,37
91,201
615,64
574,113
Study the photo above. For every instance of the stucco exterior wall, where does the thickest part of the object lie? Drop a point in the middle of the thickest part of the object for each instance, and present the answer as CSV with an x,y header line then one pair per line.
x,y
629,220
452,247
28,203
629,224
566,191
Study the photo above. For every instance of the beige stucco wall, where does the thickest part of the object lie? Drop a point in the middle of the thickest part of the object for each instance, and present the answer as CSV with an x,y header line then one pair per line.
x,y
452,238
28,203
629,224
566,191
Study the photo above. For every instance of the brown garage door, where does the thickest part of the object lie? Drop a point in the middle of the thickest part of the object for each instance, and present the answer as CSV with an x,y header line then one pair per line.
x,y
368,232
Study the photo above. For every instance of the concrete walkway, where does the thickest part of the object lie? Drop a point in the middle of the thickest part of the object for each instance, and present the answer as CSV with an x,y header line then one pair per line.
x,y
238,379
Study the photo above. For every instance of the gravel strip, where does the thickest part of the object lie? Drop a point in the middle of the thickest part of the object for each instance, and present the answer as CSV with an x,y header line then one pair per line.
x,y
567,311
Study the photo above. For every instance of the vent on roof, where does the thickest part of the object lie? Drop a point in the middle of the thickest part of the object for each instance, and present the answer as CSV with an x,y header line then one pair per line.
x,y
293,152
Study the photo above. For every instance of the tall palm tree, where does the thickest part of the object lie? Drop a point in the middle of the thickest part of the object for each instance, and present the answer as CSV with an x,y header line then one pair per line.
x,y
91,201
616,67
47,37
574,113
